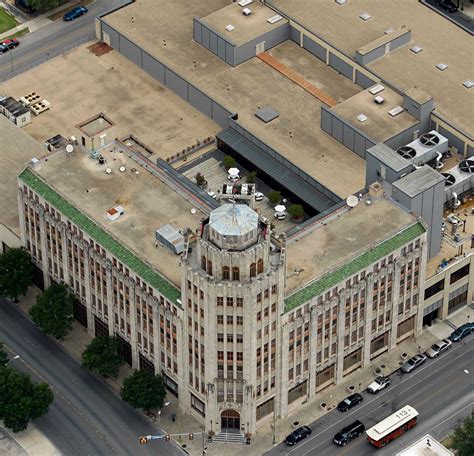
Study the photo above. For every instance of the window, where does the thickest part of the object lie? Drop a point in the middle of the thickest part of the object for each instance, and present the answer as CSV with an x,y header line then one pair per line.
x,y
259,297
235,273
230,338
265,408
220,355
225,273
220,319
230,320
253,270
220,301
230,302
230,356
260,266
240,302
459,274
209,267
240,320
203,263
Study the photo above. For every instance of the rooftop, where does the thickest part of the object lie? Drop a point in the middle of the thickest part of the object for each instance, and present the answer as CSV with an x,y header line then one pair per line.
x,y
17,148
345,245
425,446
379,125
246,27
148,205
250,86
418,181
441,40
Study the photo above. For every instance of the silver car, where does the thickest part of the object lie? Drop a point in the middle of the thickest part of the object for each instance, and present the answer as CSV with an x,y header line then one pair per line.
x,y
439,347
413,363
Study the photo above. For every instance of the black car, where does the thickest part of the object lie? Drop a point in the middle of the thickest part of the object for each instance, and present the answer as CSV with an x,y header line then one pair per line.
x,y
349,402
7,45
348,433
463,331
297,435
448,5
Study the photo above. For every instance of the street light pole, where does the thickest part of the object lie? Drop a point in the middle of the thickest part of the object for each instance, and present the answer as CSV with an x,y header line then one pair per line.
x,y
11,359
11,60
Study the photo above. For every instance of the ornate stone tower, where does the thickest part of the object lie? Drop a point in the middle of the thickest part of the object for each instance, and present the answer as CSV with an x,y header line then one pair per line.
x,y
232,290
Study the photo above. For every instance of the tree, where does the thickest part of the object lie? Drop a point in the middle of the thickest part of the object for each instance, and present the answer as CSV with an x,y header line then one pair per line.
x,y
102,356
296,211
200,180
144,390
274,196
3,356
229,162
251,177
44,5
16,273
463,437
53,309
21,400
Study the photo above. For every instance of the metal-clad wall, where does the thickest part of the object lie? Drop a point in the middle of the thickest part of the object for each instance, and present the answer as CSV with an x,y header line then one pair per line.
x,y
295,35
363,80
314,48
168,77
214,42
400,41
339,65
272,38
453,140
406,136
344,132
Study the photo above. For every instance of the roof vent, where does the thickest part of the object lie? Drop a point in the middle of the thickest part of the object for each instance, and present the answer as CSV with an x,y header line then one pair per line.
x,y
229,27
468,84
416,49
395,111
388,31
114,213
246,11
365,16
361,118
442,66
245,2
378,99
376,89
267,114
274,19
341,2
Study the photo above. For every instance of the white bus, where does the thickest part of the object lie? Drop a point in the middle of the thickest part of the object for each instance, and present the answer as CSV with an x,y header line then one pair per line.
x,y
392,427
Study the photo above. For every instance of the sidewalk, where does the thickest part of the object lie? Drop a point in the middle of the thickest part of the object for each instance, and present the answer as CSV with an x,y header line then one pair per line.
x,y
27,443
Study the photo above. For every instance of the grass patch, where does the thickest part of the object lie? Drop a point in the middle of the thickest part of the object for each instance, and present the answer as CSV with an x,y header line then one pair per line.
x,y
59,14
447,442
23,31
7,21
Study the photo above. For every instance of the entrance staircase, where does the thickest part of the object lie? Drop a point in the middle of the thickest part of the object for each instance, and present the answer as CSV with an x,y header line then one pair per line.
x,y
229,436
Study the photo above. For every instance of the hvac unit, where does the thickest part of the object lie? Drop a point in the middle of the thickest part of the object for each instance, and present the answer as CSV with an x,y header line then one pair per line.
x,y
245,2
40,107
246,11
427,147
30,99
459,180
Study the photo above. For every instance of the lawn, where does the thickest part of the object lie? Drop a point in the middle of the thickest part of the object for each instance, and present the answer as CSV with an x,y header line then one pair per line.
x,y
7,21
19,33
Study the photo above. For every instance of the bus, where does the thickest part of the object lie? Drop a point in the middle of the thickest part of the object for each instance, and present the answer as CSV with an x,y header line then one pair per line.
x,y
392,427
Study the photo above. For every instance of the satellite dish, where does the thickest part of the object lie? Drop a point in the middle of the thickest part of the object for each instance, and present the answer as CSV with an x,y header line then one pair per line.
x,y
352,201
193,210
122,169
108,171
69,148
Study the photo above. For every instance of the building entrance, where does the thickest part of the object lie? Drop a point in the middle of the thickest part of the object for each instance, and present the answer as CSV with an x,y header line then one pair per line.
x,y
230,420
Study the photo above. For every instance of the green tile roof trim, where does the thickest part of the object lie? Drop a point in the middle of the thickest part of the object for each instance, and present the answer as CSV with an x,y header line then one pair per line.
x,y
351,267
99,235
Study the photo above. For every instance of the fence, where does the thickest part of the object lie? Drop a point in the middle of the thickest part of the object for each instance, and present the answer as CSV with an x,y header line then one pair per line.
x,y
5,76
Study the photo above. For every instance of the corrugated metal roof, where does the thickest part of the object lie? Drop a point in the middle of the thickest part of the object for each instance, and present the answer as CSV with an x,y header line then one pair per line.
x,y
233,220
269,165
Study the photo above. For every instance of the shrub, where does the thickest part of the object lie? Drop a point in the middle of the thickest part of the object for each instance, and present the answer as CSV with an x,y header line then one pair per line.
x,y
274,196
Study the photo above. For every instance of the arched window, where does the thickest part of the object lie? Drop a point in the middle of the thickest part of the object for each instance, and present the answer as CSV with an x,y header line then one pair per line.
x,y
253,270
203,262
259,266
235,273
225,273
209,267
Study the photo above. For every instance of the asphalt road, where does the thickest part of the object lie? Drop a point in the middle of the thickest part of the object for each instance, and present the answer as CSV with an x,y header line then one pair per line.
x,y
49,41
86,417
440,391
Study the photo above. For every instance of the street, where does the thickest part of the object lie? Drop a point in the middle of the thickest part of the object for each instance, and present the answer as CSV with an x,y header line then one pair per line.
x,y
440,390
86,417
47,42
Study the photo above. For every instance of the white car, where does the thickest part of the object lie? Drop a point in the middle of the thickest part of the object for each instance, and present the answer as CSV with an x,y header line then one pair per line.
x,y
439,347
258,196
378,384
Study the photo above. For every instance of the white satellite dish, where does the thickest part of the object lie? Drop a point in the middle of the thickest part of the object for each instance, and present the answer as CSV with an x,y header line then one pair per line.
x,y
69,148
352,201
108,171
193,210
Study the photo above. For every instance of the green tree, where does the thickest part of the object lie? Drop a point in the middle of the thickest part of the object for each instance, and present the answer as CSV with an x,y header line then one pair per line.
x,y
229,162
463,437
274,196
22,400
144,390
52,311
102,356
16,273
296,211
44,5
3,356
251,177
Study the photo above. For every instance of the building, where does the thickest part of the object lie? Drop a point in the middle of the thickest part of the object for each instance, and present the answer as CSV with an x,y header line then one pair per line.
x,y
426,446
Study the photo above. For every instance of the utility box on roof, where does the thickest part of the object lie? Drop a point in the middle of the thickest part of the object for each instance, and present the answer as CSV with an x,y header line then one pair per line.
x,y
171,238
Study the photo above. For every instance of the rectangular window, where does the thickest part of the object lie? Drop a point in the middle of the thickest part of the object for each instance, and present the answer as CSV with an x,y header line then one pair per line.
x,y
240,320
230,302
220,319
220,301
459,274
240,302
230,320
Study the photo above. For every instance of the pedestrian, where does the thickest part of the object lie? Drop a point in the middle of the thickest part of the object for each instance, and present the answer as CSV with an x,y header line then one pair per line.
x,y
173,417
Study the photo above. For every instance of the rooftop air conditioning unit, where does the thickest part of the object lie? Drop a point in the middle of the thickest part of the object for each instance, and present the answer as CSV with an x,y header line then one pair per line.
x,y
459,179
30,99
40,107
424,149
246,11
245,2
274,19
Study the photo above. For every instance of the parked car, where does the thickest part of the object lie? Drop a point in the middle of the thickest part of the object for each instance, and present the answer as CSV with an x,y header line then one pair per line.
x,y
439,347
448,6
463,331
350,402
297,435
378,384
258,196
6,45
413,363
348,433
76,12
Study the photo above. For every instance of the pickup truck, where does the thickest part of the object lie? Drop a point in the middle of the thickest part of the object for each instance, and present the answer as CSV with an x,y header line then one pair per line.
x,y
378,384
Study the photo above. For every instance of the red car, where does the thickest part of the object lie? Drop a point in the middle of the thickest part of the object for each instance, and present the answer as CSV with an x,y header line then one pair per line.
x,y
6,45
